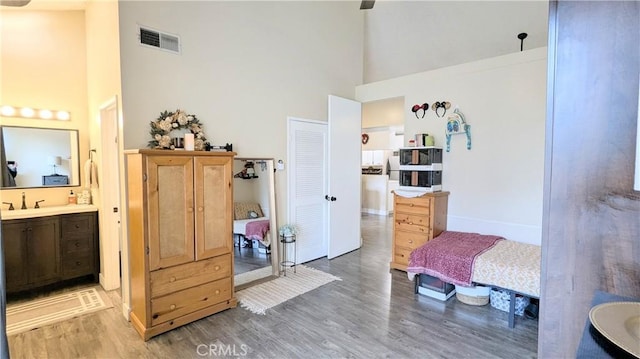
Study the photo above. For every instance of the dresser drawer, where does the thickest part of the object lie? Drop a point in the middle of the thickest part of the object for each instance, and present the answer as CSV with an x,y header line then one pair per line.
x,y
401,255
421,205
169,280
189,300
411,240
412,222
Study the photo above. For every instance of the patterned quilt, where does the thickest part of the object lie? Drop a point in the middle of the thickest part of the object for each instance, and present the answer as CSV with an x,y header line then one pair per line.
x,y
510,265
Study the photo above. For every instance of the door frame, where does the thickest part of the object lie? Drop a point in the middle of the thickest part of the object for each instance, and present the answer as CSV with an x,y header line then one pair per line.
x,y
114,253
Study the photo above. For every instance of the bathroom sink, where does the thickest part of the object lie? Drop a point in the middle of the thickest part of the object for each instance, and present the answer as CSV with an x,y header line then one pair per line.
x,y
46,211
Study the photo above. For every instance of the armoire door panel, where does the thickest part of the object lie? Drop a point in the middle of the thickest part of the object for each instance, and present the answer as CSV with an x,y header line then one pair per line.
x,y
171,227
213,225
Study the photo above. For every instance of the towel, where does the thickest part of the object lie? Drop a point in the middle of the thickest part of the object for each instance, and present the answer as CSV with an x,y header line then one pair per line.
x,y
90,174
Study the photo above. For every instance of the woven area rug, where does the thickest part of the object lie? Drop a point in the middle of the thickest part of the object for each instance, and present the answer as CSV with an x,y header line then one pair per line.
x,y
33,314
266,295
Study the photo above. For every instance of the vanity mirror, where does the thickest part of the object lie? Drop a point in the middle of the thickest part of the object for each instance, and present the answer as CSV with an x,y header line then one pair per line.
x,y
39,157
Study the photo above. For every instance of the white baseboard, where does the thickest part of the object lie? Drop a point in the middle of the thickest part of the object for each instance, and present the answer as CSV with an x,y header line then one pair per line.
x,y
378,212
511,231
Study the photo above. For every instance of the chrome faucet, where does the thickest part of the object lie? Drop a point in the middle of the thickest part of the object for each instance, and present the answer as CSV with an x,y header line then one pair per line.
x,y
24,203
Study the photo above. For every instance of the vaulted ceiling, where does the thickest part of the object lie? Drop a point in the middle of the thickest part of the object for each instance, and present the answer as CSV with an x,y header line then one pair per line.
x,y
406,37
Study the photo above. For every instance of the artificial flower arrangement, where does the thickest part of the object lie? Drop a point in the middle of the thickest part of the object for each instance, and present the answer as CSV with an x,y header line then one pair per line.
x,y
287,230
179,120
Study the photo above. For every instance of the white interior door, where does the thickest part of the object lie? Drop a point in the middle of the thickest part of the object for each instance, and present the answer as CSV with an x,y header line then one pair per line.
x,y
307,177
345,126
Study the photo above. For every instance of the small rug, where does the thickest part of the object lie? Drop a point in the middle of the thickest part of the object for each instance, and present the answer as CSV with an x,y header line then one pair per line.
x,y
36,313
261,297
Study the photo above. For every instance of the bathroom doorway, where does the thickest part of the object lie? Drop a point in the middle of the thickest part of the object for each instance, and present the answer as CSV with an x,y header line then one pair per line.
x,y
255,232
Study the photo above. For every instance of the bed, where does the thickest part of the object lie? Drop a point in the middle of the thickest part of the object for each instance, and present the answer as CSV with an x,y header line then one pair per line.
x,y
467,259
249,222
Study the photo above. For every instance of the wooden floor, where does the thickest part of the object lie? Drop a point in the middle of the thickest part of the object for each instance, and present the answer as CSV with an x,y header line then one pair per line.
x,y
248,259
371,313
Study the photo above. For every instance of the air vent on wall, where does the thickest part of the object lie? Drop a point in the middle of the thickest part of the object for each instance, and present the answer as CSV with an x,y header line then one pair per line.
x,y
159,40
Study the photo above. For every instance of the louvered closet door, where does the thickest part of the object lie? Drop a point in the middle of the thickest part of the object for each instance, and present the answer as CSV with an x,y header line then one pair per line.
x,y
171,229
214,200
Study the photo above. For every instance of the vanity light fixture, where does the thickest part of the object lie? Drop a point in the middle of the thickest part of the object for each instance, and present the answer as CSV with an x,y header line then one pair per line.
x,y
28,112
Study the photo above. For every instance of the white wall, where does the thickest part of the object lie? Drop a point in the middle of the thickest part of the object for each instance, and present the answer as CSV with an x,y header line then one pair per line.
x,y
496,187
244,67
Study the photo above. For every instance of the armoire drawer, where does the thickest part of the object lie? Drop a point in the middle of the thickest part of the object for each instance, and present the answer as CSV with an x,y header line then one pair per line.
x,y
412,222
189,300
173,279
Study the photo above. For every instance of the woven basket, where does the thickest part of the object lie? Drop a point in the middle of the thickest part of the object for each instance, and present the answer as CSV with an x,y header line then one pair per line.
x,y
472,300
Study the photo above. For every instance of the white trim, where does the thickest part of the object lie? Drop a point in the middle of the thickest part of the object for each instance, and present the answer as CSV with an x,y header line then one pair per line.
x,y
513,231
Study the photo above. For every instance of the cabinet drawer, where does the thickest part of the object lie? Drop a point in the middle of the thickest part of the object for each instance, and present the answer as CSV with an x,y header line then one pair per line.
x,y
420,205
189,300
77,244
412,222
411,240
169,280
76,223
76,266
401,255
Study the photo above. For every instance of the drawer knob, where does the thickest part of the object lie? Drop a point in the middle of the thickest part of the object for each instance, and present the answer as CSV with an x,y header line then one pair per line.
x,y
172,279
410,222
172,307
200,209
77,226
77,244
77,263
410,204
217,291
216,267
410,241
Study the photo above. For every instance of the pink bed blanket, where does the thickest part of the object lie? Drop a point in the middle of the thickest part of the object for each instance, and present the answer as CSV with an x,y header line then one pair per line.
x,y
257,230
451,256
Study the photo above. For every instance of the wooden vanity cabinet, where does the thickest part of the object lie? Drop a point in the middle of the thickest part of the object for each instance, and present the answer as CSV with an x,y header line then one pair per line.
x,y
79,245
415,222
31,252
46,250
180,237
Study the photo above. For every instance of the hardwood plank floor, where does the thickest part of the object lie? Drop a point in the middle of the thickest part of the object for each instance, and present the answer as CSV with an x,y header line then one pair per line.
x,y
371,313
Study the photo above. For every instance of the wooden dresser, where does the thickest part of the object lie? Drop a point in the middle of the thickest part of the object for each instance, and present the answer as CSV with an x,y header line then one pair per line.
x,y
415,222
180,237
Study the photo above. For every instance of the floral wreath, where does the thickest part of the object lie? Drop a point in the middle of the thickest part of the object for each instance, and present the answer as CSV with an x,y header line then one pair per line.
x,y
169,121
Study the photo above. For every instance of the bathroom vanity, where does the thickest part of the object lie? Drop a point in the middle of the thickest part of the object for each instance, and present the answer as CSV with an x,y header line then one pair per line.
x,y
49,245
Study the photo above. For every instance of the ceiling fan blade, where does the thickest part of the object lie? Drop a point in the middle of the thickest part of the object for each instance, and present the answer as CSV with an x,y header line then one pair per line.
x,y
367,4
14,2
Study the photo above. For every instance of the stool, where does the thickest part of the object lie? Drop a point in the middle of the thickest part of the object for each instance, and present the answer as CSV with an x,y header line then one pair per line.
x,y
288,242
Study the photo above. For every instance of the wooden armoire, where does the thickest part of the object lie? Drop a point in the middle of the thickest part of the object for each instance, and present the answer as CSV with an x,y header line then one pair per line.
x,y
180,210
